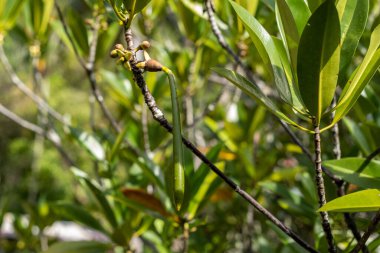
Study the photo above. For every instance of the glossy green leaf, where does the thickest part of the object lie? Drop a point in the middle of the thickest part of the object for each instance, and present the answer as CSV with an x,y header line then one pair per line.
x,y
79,31
288,30
267,49
79,247
314,4
297,104
353,16
348,168
318,59
99,195
78,214
89,142
253,91
361,201
300,12
360,78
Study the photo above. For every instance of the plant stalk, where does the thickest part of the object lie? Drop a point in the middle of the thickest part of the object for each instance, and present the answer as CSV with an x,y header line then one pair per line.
x,y
321,189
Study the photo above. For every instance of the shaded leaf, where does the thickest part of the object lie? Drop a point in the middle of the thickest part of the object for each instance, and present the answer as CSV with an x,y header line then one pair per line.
x,y
318,59
89,142
253,91
361,201
78,214
144,200
138,5
79,31
267,50
99,195
349,169
79,247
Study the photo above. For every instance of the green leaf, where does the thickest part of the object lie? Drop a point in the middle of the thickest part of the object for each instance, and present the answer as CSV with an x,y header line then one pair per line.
x,y
9,11
198,180
99,195
301,13
253,91
79,247
318,59
79,31
361,201
360,78
45,17
267,49
359,136
314,4
89,142
353,16
347,168
288,30
79,214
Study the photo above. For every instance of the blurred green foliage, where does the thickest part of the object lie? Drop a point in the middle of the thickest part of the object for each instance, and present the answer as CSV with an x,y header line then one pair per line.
x,y
116,185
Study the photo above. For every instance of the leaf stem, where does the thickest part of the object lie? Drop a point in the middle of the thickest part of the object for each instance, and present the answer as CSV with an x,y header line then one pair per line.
x,y
321,188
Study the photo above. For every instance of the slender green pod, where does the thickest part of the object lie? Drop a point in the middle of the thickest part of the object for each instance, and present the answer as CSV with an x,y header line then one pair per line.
x,y
178,170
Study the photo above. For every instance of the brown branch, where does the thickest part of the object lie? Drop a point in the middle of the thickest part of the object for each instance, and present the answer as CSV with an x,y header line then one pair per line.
x,y
28,92
321,190
371,228
51,135
160,118
89,67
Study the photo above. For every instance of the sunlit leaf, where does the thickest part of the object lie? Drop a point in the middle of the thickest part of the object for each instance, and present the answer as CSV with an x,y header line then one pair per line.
x,y
361,201
360,78
353,16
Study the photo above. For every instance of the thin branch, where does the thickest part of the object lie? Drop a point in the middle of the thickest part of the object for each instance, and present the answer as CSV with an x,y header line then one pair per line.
x,y
321,190
20,121
89,67
90,71
51,135
372,227
219,36
66,30
160,118
341,191
24,88
368,160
